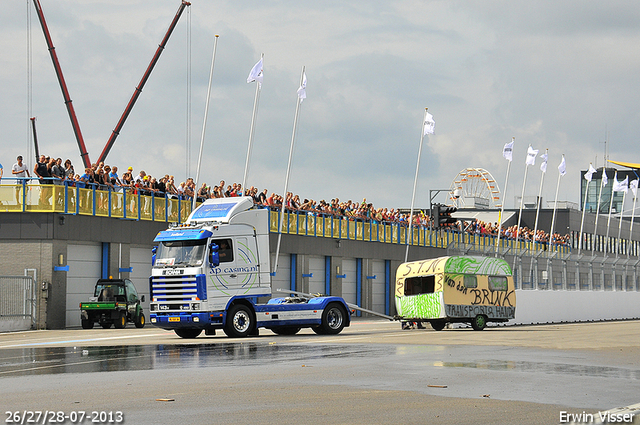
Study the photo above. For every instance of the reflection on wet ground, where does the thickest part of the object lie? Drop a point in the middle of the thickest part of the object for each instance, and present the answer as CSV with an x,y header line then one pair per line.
x,y
53,360
539,367
56,360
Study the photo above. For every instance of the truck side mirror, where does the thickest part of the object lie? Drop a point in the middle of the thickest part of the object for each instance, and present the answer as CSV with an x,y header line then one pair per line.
x,y
214,256
153,257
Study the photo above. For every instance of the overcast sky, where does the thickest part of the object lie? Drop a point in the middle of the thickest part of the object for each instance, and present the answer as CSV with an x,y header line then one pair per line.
x,y
558,75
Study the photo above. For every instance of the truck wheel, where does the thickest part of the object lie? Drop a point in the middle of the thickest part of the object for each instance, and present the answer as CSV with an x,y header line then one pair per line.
x,y
188,333
285,330
87,324
140,320
105,325
121,321
438,325
240,321
479,322
334,318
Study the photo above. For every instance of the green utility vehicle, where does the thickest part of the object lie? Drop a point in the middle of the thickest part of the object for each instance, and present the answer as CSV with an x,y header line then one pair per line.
x,y
114,301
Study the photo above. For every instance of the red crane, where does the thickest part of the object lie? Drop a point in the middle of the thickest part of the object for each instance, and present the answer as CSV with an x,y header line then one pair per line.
x,y
144,79
65,92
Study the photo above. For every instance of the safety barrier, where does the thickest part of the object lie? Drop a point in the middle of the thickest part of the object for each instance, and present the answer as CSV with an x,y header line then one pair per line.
x,y
29,196
61,198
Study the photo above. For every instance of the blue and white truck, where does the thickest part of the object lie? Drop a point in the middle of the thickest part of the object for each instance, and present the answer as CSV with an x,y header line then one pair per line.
x,y
209,272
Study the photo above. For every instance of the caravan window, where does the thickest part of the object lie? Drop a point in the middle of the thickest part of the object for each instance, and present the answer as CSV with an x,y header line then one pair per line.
x,y
470,281
497,283
419,285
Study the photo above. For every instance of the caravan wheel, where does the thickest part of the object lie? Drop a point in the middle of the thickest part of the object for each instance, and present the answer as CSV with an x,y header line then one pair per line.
x,y
479,322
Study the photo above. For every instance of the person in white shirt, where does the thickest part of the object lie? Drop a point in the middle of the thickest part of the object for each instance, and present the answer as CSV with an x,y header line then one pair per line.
x,y
19,170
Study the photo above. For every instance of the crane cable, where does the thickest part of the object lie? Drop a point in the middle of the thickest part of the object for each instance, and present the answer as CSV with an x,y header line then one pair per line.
x,y
29,138
188,99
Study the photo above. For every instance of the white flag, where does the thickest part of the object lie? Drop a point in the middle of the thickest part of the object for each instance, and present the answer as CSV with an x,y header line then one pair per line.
x,y
531,156
543,166
562,168
589,174
256,73
507,151
605,179
633,185
622,186
429,124
302,91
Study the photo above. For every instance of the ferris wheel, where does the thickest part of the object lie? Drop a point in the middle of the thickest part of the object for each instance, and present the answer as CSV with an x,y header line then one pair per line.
x,y
475,188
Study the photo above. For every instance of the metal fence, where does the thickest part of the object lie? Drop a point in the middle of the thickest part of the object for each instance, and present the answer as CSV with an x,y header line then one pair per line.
x,y
17,302
556,270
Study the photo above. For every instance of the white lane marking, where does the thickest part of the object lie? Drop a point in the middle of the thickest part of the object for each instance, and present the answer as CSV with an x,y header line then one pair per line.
x,y
81,340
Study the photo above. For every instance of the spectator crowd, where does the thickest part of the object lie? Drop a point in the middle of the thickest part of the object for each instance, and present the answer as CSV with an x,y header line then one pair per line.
x,y
104,177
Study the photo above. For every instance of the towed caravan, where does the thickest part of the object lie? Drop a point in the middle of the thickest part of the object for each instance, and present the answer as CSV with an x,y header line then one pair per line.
x,y
475,290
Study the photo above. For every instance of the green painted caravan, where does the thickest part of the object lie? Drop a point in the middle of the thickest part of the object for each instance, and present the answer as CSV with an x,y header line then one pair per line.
x,y
475,290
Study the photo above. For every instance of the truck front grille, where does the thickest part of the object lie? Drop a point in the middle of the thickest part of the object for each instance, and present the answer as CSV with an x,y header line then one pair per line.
x,y
178,289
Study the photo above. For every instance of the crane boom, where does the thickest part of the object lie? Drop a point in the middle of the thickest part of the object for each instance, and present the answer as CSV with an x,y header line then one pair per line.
x,y
35,137
63,85
143,81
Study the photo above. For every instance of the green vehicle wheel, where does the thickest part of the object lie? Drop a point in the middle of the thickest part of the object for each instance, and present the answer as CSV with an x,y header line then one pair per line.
x,y
479,322
140,320
121,321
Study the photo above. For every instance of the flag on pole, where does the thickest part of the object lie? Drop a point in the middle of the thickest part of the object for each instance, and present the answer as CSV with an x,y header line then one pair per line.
x,y
633,185
531,156
543,166
302,90
622,186
507,151
256,73
605,179
562,168
429,124
589,174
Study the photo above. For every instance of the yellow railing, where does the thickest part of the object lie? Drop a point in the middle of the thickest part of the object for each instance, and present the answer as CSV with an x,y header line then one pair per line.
x,y
318,225
28,197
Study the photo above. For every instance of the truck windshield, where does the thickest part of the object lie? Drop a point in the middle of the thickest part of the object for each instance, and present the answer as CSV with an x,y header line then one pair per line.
x,y
181,253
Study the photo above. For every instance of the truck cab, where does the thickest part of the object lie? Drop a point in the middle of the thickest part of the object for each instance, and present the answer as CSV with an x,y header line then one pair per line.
x,y
209,271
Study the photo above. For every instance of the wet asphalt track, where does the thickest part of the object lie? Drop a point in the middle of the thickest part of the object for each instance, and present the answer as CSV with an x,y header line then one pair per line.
x,y
371,373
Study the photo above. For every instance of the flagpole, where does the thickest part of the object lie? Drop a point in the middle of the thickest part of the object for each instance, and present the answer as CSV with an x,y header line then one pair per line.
x,y
620,222
584,208
555,207
595,229
524,183
415,184
606,246
256,100
535,227
286,180
204,124
504,196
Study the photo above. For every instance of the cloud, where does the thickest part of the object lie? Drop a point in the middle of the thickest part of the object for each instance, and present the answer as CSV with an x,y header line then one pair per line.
x,y
554,75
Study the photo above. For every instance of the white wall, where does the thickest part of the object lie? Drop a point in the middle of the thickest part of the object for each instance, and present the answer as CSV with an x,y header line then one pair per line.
x,y
572,306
